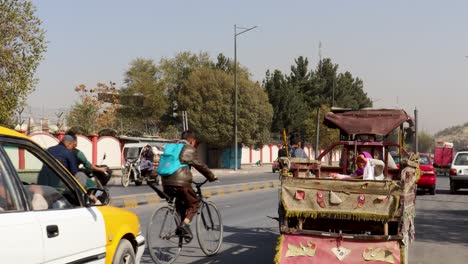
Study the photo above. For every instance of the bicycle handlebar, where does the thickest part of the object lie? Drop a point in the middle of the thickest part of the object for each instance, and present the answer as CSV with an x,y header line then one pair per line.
x,y
200,184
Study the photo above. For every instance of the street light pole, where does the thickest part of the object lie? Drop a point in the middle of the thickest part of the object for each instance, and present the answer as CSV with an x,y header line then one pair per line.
x,y
235,89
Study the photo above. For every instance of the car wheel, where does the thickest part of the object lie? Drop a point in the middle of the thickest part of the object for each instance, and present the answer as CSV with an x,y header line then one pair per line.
x,y
124,253
432,190
453,187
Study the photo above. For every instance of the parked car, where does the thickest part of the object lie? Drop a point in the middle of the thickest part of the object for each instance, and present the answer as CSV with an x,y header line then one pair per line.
x,y
428,178
459,172
275,166
42,205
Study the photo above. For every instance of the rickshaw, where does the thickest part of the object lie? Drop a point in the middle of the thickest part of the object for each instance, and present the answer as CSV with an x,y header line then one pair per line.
x,y
328,219
132,170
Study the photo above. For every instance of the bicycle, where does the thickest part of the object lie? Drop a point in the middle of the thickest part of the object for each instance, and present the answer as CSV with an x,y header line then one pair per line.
x,y
165,244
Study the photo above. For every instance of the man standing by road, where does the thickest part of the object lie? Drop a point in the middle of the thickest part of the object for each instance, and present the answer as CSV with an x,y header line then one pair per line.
x,y
297,151
179,183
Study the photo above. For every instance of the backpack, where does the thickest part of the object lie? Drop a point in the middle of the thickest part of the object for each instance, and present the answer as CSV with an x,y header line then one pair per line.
x,y
169,162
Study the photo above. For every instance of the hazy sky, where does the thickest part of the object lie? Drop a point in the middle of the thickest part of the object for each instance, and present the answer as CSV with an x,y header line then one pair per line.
x,y
410,54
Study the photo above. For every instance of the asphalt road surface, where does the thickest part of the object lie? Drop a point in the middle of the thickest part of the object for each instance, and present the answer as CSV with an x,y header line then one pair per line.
x,y
225,178
251,233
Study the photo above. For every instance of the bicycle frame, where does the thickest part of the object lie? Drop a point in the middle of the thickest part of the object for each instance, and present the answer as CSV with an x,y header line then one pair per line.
x,y
202,200
208,218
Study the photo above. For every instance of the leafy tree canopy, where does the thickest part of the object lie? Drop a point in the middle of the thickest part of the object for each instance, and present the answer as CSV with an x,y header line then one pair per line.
x,y
90,114
207,95
22,46
143,100
294,97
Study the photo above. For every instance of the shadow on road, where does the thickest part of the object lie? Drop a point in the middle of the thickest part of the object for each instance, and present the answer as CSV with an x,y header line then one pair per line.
x,y
442,226
459,192
252,245
240,245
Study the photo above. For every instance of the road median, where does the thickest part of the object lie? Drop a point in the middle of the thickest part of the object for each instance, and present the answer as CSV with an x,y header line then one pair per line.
x,y
132,201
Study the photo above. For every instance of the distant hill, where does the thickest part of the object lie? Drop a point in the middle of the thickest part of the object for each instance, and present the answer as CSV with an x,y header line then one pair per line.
x,y
458,135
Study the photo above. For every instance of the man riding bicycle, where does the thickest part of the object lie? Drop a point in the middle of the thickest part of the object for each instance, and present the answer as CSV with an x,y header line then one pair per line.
x,y
178,185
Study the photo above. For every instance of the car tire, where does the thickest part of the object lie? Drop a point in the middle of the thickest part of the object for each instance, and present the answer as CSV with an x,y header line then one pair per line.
x,y
453,187
432,190
124,253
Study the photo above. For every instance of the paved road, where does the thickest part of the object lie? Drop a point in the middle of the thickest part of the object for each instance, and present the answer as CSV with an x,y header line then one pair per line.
x,y
226,177
441,226
251,234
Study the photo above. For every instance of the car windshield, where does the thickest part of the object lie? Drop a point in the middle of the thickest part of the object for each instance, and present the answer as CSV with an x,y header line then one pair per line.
x,y
461,159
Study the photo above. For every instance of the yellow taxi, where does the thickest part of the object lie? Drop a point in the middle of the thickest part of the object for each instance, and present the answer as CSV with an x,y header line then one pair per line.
x,y
46,216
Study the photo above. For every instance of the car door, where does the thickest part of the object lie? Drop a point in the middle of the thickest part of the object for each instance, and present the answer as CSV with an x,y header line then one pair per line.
x,y
70,231
20,232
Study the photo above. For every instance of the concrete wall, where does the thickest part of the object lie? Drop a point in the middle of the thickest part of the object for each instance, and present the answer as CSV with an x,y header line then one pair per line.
x,y
111,146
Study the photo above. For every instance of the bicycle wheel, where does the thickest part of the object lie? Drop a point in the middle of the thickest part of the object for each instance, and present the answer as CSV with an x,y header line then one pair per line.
x,y
126,178
209,228
163,244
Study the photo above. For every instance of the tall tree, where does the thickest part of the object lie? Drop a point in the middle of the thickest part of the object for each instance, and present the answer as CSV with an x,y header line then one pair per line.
x,y
207,96
290,108
91,115
22,46
174,72
143,100
296,96
326,135
426,142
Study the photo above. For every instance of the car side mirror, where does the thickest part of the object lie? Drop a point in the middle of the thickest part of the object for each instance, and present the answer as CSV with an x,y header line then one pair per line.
x,y
97,196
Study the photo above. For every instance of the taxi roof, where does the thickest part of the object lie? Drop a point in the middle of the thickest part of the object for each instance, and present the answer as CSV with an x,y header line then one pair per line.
x,y
10,132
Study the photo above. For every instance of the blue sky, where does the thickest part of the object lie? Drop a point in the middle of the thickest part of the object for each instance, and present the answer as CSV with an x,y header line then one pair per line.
x,y
410,54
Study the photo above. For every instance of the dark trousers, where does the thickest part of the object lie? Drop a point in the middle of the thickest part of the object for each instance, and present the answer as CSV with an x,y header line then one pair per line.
x,y
187,202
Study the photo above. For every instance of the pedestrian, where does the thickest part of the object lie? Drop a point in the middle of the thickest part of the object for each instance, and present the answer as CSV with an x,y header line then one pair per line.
x,y
296,149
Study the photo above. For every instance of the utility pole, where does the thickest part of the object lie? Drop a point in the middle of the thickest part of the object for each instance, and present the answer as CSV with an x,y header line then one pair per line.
x,y
235,89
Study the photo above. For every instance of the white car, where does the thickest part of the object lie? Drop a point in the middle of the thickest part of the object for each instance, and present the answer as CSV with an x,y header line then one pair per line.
x,y
459,171
46,216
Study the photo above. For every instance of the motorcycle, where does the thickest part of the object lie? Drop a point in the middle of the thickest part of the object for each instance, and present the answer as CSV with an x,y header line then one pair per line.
x,y
99,178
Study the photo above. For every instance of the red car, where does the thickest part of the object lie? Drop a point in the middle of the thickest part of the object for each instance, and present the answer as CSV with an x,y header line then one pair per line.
x,y
275,166
428,178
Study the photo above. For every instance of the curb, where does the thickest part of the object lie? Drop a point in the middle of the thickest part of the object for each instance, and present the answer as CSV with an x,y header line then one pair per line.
x,y
133,201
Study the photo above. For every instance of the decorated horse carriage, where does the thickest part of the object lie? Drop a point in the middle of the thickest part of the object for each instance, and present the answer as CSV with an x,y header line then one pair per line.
x,y
328,214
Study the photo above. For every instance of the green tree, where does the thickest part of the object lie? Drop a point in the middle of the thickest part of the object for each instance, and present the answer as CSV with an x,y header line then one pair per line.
x,y
174,73
143,100
349,92
326,135
22,45
207,96
90,114
425,142
295,97
290,108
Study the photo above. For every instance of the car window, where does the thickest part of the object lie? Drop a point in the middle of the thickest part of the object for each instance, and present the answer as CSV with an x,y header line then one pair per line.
x,y
9,198
424,160
461,159
42,184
